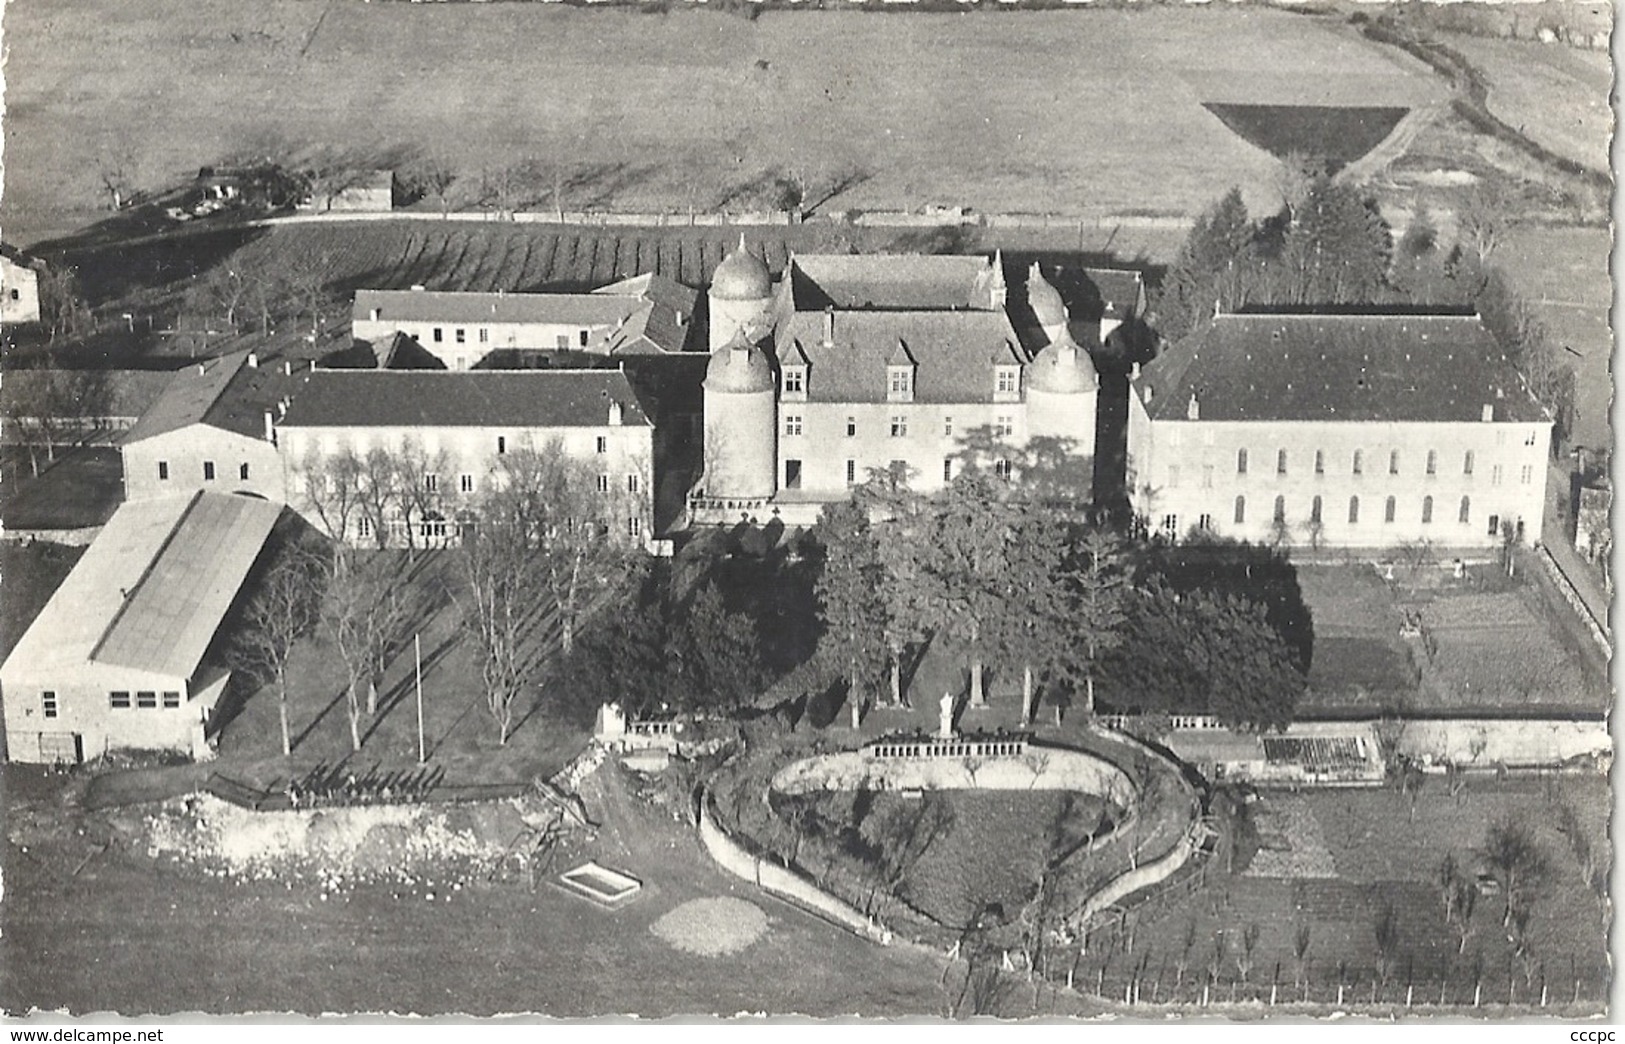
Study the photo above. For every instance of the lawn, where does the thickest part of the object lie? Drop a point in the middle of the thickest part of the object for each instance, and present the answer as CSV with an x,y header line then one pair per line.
x,y
81,489
1380,857
31,573
459,731
682,109
1359,656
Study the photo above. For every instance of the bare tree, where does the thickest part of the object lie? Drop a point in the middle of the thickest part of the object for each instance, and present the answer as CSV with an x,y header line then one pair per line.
x,y
433,176
115,169
284,607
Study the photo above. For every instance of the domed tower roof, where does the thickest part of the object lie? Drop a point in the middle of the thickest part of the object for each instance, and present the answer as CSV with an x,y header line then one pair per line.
x,y
741,277
739,367
1044,299
1062,367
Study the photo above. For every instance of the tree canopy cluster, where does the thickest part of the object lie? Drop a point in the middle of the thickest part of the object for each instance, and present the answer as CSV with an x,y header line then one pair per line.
x,y
1037,590
1330,247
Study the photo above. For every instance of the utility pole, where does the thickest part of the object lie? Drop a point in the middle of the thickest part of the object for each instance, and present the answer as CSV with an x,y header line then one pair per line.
x,y
417,655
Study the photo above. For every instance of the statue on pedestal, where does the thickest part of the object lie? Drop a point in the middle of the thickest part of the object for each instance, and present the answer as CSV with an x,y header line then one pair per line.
x,y
945,727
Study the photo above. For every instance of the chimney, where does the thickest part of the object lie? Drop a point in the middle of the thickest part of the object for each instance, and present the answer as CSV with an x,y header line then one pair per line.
x,y
377,314
202,368
1134,372
614,414
1193,409
253,360
270,430
418,287
829,326
1489,412
287,367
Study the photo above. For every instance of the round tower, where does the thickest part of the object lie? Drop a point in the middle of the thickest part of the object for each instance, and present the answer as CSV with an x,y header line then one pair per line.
x,y
741,451
740,298
1062,386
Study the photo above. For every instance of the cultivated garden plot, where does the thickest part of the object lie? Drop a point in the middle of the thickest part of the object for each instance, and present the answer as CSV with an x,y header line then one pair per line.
x,y
1494,650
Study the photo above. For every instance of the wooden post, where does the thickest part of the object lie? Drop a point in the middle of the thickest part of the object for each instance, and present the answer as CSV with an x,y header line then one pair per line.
x,y
1339,995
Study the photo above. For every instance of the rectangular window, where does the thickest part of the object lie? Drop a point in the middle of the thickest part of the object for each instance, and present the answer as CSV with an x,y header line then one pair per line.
x,y
1007,381
1359,462
851,427
1495,525
792,424
1006,426
947,427
1389,509
562,342
851,473
1170,525
1529,439
899,426
1280,462
633,482
431,483
583,338
1241,462
208,471
48,703
1241,510
603,483
1495,474
1001,468
242,472
465,483
1433,462
792,474
900,381
461,335
502,444
634,526
795,380
602,444
119,700
1467,463
148,700
439,335
1320,462
485,335
1207,476
172,700
1526,474
363,527
163,471
948,469
1204,522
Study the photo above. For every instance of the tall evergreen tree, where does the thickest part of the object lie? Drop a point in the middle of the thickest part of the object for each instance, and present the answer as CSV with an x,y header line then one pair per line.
x,y
1213,266
851,603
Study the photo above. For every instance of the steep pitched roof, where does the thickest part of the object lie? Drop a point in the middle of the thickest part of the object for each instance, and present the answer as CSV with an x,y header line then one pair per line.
x,y
462,399
1111,292
150,591
890,281
448,306
224,393
955,353
1339,367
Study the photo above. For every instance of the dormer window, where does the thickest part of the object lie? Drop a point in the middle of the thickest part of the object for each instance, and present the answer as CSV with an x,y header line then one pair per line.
x,y
1006,383
795,382
900,383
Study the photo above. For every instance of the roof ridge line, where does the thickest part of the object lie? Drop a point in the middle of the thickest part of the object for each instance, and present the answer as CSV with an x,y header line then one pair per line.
x,y
146,573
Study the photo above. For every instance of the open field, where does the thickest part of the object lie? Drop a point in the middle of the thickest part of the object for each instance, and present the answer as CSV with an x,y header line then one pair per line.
x,y
82,488
1380,855
691,108
212,945
1556,95
1563,272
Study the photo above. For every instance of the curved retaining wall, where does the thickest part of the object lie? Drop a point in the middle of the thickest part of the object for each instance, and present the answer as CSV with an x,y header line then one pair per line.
x,y
783,883
1041,768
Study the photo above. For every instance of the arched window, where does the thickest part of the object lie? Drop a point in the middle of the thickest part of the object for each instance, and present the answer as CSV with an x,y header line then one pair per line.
x,y
1241,510
1354,509
1314,509
1359,462
1241,462
1280,462
1465,514
1393,462
1280,509
1433,462
1388,509
1427,510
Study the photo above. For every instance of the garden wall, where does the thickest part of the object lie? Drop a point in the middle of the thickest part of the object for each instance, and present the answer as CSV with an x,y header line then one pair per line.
x,y
1039,769
781,882
1513,743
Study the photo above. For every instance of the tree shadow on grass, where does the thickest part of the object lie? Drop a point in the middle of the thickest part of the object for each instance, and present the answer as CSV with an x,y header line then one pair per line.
x,y
305,733
399,691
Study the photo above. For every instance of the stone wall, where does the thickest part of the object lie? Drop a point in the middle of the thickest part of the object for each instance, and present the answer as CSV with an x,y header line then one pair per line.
x,y
1045,768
